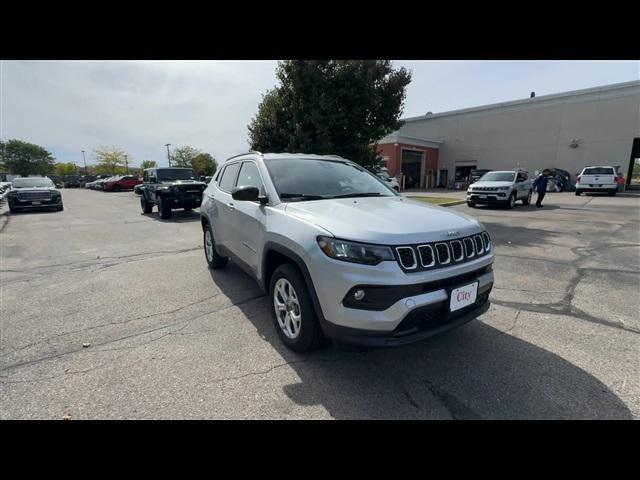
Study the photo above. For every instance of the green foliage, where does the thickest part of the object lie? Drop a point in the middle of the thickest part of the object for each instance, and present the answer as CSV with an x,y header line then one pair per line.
x,y
183,156
148,164
24,158
63,169
204,164
338,107
636,169
110,161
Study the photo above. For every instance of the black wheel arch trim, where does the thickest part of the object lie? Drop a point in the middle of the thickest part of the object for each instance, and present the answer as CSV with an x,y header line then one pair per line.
x,y
299,262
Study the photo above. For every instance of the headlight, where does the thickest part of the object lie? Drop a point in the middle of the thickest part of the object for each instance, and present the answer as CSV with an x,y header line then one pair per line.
x,y
504,188
354,252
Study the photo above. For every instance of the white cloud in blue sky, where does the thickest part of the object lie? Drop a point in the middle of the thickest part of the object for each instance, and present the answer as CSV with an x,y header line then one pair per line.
x,y
69,106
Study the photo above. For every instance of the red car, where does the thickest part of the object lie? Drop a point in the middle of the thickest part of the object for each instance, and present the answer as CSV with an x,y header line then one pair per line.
x,y
118,184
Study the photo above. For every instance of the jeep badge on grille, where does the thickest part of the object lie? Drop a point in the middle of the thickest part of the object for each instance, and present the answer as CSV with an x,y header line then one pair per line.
x,y
453,233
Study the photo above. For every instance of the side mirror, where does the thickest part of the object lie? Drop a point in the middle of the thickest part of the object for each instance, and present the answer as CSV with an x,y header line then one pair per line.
x,y
248,193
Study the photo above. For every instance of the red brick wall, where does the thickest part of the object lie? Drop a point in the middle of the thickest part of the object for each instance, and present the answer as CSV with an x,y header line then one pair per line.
x,y
395,154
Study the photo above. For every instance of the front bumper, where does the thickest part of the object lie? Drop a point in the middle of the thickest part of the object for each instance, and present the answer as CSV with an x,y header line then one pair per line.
x,y
492,197
184,200
30,204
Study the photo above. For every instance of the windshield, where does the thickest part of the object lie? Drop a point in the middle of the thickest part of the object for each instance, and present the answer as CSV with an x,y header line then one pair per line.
x,y
309,179
71,178
167,175
32,182
498,177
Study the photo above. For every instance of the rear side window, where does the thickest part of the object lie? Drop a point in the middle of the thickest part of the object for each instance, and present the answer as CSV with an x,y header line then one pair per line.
x,y
229,177
598,171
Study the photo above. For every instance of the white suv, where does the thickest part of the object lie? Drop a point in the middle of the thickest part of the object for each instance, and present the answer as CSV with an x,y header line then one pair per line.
x,y
341,254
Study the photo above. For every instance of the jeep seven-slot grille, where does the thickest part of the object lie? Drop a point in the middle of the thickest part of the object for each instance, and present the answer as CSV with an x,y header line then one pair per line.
x,y
441,254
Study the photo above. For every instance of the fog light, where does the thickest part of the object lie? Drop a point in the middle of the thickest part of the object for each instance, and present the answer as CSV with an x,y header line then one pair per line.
x,y
358,294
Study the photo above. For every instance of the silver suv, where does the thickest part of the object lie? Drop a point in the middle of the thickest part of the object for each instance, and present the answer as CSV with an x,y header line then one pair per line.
x,y
501,188
341,254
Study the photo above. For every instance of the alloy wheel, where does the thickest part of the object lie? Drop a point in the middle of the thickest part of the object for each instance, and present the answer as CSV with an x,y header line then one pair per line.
x,y
287,308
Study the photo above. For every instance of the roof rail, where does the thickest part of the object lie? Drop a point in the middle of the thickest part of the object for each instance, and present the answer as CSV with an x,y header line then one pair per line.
x,y
243,154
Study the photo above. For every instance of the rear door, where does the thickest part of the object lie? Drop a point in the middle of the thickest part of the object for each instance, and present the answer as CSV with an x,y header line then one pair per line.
x,y
224,205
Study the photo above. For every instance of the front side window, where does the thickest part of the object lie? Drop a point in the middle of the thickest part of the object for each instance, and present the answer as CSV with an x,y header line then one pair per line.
x,y
229,177
298,179
249,176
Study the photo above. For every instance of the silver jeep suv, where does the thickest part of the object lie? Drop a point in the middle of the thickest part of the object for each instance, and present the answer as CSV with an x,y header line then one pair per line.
x,y
502,188
341,254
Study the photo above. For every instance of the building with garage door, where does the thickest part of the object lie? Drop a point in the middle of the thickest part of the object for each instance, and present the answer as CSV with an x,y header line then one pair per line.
x,y
594,126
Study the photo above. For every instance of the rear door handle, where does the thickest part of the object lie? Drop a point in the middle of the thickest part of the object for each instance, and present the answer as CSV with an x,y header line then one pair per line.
x,y
231,207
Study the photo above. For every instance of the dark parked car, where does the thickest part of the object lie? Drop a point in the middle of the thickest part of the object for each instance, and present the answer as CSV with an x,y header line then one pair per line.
x,y
57,180
31,193
72,181
171,188
117,184
475,175
87,179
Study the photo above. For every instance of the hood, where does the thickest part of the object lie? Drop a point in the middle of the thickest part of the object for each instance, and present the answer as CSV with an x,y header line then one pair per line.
x,y
492,184
384,220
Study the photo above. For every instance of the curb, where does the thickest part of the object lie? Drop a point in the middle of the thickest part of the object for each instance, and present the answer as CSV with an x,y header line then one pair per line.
x,y
451,204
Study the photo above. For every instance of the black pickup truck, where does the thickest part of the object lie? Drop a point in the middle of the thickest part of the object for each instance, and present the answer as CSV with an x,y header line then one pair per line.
x,y
170,188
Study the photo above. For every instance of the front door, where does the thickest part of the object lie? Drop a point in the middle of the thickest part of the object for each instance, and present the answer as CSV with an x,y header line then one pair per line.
x,y
248,230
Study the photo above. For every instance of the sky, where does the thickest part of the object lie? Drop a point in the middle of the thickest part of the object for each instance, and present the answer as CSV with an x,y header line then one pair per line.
x,y
139,106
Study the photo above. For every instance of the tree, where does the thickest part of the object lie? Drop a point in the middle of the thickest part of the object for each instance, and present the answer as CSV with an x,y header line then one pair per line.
x,y
148,164
204,164
24,158
183,156
63,169
338,107
110,160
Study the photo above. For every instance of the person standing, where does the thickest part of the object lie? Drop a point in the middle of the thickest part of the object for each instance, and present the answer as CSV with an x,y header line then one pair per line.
x,y
540,184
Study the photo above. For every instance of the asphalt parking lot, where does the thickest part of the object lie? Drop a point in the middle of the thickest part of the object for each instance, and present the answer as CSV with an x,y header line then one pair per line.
x,y
171,339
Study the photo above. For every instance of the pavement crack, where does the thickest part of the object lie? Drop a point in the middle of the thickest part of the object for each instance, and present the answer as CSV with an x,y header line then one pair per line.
x,y
457,409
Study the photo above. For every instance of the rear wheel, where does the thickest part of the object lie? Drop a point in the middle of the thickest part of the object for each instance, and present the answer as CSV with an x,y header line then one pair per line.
x,y
164,208
214,259
578,193
116,188
293,315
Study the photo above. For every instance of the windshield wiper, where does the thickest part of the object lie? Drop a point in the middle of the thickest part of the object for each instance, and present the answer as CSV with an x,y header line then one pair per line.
x,y
301,196
361,194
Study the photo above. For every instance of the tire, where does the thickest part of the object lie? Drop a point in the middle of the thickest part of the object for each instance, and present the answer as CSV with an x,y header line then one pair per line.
x,y
471,204
60,208
612,193
163,208
512,201
13,209
146,206
578,193
214,259
304,335
527,199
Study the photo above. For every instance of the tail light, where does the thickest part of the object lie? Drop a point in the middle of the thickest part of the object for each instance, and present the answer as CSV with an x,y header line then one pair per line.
x,y
578,179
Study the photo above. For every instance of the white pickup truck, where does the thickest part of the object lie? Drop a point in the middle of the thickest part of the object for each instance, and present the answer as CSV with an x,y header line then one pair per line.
x,y
597,179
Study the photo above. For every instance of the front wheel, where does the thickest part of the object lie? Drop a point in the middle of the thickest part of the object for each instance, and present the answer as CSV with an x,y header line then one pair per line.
x,y
60,208
512,201
471,204
293,315
527,200
116,188
215,260
578,193
164,208
146,206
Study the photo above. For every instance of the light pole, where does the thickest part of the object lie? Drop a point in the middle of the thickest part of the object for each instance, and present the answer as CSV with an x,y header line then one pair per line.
x,y
168,156
85,163
126,164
